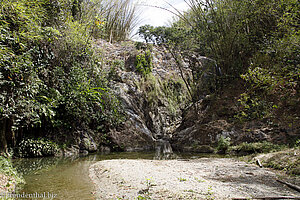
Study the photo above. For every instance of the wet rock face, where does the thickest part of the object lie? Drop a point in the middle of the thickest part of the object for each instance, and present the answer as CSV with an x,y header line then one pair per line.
x,y
147,117
133,135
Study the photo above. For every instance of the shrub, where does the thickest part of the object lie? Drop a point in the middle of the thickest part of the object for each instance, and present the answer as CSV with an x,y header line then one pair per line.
x,y
253,107
36,148
257,147
114,67
143,63
7,169
223,144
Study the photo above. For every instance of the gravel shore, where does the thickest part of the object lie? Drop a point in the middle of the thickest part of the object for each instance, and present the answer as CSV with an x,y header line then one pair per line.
x,y
205,178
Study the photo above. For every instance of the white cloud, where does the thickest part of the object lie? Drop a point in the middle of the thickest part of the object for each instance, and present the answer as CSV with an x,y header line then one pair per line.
x,y
154,16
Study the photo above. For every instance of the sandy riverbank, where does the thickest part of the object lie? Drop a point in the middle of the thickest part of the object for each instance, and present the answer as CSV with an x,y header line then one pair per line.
x,y
206,178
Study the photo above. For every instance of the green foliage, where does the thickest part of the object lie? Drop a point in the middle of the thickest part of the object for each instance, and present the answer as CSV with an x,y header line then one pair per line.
x,y
174,91
287,160
36,148
171,91
141,197
152,86
223,144
114,67
257,147
146,32
143,63
203,77
144,46
139,45
256,39
50,74
182,179
163,35
7,169
121,18
251,107
23,40
297,143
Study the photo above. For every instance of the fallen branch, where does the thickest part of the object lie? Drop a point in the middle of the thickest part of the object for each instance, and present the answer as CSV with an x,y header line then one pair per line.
x,y
292,186
258,163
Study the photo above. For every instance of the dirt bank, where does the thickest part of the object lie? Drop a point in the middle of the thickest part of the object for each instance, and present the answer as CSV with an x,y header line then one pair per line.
x,y
205,178
7,184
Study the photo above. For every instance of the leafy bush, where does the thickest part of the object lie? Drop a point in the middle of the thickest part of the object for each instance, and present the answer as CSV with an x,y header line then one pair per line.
x,y
114,67
252,107
143,63
50,73
36,148
223,144
255,40
139,45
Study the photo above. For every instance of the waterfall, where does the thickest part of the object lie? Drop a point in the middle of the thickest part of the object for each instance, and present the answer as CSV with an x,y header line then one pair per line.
x,y
163,149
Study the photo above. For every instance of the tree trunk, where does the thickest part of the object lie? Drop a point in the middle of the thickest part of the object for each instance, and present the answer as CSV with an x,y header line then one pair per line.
x,y
3,142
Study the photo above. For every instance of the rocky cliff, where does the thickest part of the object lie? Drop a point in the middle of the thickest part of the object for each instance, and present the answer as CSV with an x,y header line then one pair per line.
x,y
152,103
157,106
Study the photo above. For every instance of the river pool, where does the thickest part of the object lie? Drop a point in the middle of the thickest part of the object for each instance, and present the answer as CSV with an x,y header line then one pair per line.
x,y
68,178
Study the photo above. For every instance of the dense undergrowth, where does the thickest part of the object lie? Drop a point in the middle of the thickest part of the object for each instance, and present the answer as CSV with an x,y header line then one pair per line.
x,y
255,41
11,173
51,78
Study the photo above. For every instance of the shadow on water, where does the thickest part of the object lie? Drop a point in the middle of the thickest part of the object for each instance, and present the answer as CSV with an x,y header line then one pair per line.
x,y
68,177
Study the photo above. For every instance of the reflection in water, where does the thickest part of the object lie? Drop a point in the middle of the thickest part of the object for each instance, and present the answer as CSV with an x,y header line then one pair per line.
x,y
163,150
67,177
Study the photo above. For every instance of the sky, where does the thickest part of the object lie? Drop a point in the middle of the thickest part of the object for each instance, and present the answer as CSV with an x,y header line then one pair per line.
x,y
155,16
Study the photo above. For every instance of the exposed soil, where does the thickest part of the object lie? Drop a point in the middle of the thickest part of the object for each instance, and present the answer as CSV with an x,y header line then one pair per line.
x,y
205,178
7,184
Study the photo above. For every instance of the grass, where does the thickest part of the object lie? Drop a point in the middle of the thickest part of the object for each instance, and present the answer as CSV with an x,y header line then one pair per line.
x,y
287,160
121,18
182,179
199,180
279,157
257,147
113,20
